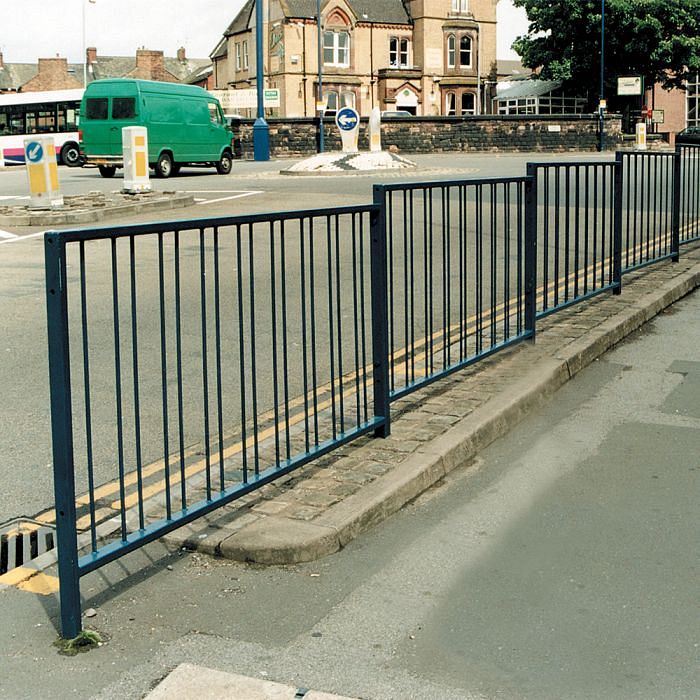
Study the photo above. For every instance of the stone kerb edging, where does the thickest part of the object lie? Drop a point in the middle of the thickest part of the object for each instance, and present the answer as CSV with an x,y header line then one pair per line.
x,y
280,540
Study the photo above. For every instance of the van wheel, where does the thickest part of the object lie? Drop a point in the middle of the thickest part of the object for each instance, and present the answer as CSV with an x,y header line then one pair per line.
x,y
70,154
107,170
224,166
164,165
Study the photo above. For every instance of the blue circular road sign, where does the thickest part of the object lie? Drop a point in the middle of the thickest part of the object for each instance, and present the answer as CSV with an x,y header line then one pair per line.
x,y
347,119
34,151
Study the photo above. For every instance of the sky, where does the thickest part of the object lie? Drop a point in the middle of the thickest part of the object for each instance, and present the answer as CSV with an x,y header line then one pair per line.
x,y
46,28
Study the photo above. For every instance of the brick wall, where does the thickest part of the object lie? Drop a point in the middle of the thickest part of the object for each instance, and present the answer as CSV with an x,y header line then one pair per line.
x,y
297,138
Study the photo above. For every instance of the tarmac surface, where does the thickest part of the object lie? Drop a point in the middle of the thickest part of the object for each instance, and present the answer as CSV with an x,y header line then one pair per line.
x,y
437,431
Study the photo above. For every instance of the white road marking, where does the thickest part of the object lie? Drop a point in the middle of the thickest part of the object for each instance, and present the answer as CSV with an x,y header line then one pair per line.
x,y
232,194
13,196
16,238
7,234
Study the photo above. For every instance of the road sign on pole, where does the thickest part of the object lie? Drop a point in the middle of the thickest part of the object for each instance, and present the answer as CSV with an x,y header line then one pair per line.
x,y
348,122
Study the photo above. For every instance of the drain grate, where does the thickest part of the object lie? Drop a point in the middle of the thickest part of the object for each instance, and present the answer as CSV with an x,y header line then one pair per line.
x,y
21,541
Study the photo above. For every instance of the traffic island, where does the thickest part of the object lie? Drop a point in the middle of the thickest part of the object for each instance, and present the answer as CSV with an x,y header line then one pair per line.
x,y
347,163
92,207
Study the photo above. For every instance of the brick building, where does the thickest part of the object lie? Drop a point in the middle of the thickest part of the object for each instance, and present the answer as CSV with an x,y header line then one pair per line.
x,y
428,57
57,74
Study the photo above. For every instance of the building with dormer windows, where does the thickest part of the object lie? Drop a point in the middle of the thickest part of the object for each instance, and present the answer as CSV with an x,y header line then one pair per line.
x,y
425,57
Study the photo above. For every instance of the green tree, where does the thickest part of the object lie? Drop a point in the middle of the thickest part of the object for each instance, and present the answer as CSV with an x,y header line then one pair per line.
x,y
657,39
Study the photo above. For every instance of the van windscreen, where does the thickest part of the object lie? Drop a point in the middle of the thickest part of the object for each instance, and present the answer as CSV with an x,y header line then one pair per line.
x,y
123,107
96,108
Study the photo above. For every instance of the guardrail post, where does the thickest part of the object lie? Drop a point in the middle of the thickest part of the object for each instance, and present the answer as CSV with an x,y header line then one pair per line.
x,y
617,225
62,433
531,250
380,320
676,214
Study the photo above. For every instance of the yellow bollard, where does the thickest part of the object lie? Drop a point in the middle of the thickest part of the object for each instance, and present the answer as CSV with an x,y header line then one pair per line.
x,y
42,172
135,148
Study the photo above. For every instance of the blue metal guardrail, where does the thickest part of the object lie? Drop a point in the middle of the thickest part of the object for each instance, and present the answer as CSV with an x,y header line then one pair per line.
x,y
221,354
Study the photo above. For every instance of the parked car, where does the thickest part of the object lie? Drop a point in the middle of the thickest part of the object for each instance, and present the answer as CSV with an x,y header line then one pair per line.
x,y
394,114
690,134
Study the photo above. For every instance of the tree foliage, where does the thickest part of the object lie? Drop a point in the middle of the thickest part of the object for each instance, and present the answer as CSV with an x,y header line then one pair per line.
x,y
658,39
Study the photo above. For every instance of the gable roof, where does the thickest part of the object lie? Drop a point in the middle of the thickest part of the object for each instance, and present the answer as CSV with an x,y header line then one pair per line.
x,y
374,11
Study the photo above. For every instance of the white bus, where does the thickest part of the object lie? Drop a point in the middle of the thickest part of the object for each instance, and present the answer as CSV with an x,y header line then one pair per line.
x,y
52,112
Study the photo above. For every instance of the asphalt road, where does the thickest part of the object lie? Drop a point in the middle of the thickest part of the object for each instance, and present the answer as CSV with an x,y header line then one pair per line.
x,y
561,564
25,452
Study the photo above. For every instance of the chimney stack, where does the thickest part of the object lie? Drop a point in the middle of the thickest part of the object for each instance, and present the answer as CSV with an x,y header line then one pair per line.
x,y
91,55
181,55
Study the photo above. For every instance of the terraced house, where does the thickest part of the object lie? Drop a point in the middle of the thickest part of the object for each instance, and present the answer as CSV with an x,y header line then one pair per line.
x,y
427,57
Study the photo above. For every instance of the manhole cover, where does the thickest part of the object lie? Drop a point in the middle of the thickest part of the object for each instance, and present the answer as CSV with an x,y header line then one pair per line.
x,y
21,541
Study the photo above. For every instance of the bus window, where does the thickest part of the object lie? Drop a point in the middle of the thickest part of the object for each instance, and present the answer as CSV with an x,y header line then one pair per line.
x,y
96,108
123,107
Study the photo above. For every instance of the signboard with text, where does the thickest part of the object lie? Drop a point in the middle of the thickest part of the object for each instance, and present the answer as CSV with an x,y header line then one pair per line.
x,y
630,85
246,99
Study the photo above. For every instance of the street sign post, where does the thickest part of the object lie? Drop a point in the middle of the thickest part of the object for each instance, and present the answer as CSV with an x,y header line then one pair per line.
x,y
348,122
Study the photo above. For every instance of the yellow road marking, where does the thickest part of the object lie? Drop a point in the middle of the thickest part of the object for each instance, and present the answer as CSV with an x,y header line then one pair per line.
x,y
41,584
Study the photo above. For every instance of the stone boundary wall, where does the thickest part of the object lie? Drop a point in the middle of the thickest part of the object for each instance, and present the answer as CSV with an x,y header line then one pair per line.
x,y
298,138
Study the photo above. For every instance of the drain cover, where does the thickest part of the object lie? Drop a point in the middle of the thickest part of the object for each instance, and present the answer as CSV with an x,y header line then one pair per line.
x,y
21,541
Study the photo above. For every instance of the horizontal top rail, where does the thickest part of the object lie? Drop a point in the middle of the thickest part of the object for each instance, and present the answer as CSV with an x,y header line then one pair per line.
x,y
569,163
401,186
109,232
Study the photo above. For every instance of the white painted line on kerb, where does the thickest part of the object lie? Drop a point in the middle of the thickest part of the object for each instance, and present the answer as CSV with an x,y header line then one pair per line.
x,y
16,238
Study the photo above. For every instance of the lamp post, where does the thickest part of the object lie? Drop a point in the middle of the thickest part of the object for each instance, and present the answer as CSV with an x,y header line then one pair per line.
x,y
85,69
601,102
320,76
261,130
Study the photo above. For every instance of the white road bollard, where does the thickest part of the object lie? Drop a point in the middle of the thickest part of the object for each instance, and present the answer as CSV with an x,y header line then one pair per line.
x,y
42,171
135,148
375,126
640,143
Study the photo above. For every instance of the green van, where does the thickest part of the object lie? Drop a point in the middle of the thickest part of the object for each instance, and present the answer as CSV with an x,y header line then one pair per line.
x,y
185,125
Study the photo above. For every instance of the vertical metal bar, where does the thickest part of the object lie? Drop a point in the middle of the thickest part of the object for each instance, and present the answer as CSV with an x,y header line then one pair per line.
x,y
445,277
164,378
380,339
676,207
617,225
478,277
363,319
462,275
241,355
356,318
205,358
493,252
339,316
273,317
88,402
62,432
118,388
304,340
519,260
407,341
331,339
586,227
312,295
135,373
530,250
594,286
413,294
178,357
567,229
577,231
557,229
389,227
285,341
506,258
253,355
217,340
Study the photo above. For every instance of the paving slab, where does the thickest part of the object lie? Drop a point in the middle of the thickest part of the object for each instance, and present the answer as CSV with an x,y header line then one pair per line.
x,y
320,508
188,681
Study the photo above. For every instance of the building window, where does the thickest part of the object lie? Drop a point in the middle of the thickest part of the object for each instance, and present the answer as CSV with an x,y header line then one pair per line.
x,y
245,56
398,52
460,7
465,52
460,103
693,97
238,56
468,103
331,98
336,49
451,52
